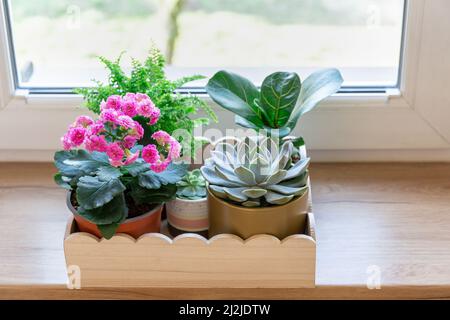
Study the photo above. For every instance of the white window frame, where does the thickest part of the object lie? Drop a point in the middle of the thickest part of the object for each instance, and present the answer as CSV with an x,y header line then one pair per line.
x,y
409,124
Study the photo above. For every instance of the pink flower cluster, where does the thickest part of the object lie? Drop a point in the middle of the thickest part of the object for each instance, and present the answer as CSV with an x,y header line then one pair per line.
x,y
131,105
169,145
116,133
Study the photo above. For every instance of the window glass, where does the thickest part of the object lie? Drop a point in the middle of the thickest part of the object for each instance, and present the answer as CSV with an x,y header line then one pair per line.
x,y
56,41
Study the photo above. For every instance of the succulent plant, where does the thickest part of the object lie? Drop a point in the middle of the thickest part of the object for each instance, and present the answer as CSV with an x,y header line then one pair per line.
x,y
255,172
192,186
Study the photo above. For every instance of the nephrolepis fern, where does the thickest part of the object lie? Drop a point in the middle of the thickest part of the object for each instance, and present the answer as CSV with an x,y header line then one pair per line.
x,y
149,77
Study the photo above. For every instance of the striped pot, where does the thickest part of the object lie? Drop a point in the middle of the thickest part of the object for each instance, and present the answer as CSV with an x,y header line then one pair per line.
x,y
187,216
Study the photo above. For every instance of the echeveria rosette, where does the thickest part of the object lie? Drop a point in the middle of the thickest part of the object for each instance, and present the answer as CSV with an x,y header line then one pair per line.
x,y
255,172
192,186
110,171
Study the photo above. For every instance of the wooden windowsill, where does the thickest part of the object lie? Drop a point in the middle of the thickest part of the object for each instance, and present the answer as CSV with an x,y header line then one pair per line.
x,y
395,217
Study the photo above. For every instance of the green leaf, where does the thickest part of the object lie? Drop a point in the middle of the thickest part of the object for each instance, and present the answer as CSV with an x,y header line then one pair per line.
x,y
279,94
153,180
75,163
315,88
163,194
278,132
62,181
236,94
114,211
92,192
108,230
298,142
137,167
108,173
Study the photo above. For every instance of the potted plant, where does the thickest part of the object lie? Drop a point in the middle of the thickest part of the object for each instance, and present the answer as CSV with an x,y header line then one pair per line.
x,y
177,110
277,106
188,212
114,183
255,188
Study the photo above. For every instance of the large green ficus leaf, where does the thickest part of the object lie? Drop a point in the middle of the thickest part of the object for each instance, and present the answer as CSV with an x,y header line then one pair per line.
x,y
236,94
279,94
283,99
315,88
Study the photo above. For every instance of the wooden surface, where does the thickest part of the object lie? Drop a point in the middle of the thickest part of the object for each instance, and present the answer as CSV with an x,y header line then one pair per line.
x,y
191,261
394,218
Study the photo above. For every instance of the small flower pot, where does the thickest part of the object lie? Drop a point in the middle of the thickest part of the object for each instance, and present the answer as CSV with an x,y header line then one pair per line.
x,y
146,223
187,216
279,221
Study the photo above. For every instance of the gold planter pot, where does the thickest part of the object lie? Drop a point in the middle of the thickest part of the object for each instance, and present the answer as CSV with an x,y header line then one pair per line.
x,y
279,221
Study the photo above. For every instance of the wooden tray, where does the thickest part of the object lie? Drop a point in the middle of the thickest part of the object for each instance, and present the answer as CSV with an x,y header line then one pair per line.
x,y
192,261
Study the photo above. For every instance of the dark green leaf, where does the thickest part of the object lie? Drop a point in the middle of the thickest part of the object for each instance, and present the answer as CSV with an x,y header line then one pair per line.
x,y
163,194
75,163
108,173
62,181
114,211
279,94
153,180
93,192
315,88
108,230
298,142
137,167
236,94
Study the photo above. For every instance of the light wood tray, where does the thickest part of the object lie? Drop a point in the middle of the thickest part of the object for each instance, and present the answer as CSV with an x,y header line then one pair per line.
x,y
191,261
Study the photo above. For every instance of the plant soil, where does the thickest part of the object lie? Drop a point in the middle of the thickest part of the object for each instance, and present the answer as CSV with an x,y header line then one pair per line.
x,y
134,210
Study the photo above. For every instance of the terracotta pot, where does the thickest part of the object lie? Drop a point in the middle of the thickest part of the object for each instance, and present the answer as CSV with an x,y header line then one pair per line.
x,y
187,216
147,223
279,221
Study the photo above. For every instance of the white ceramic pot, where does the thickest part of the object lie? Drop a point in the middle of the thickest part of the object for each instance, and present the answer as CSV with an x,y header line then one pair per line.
x,y
188,215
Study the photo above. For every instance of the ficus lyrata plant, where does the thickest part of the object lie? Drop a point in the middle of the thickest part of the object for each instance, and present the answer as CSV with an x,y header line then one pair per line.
x,y
280,101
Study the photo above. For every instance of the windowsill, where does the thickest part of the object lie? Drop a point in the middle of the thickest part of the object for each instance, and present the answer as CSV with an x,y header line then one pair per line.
x,y
394,216
392,97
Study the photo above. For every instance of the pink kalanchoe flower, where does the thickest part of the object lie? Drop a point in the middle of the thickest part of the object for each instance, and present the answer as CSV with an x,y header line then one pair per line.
x,y
129,142
150,154
67,144
129,107
76,135
162,137
96,143
137,131
145,108
113,102
109,115
130,96
141,97
174,150
83,121
96,128
132,157
115,154
154,116
160,166
125,121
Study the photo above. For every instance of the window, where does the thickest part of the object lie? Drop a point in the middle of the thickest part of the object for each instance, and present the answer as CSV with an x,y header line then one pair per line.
x,y
55,42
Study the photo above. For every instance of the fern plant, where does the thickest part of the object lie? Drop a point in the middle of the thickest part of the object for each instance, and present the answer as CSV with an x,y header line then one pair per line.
x,y
149,77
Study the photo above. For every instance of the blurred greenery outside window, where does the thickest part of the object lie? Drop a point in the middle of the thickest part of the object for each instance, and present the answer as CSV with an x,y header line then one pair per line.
x,y
56,41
